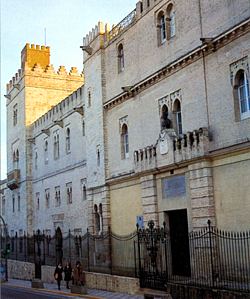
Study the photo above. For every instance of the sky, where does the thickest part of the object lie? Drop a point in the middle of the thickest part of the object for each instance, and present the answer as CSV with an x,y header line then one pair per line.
x,y
66,23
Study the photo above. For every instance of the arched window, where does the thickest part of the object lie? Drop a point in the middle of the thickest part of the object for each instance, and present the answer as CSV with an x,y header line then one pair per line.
x,y
165,121
56,146
124,142
47,198
13,203
170,21
83,128
84,193
37,200
46,156
161,27
98,157
3,205
69,192
57,196
83,187
178,118
120,58
68,140
14,159
97,220
242,86
36,159
17,159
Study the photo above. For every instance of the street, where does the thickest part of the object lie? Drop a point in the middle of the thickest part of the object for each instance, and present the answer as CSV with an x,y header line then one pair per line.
x,y
11,292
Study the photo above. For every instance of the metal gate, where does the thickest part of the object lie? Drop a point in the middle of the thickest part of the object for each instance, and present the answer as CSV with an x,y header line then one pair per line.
x,y
152,256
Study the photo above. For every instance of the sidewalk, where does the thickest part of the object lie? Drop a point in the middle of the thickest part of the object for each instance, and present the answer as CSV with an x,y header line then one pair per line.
x,y
92,294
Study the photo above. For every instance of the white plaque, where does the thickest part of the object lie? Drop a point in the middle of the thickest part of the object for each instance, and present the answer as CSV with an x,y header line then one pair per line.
x,y
163,144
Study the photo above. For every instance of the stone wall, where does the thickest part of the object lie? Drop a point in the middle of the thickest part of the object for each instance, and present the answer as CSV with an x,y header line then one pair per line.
x,y
112,283
21,270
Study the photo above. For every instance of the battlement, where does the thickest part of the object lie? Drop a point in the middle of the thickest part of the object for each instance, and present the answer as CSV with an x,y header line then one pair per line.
x,y
15,80
43,72
99,29
32,54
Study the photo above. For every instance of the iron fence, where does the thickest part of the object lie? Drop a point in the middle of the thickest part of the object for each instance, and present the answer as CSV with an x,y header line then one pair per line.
x,y
106,253
217,259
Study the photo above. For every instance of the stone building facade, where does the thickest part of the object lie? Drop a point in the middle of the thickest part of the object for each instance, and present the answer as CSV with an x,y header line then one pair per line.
x,y
158,129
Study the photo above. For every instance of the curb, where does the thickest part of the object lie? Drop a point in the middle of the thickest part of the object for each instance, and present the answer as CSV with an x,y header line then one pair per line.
x,y
53,291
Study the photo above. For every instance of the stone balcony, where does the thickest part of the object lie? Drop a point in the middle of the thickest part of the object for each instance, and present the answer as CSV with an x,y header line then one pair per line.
x,y
171,149
13,179
191,145
145,159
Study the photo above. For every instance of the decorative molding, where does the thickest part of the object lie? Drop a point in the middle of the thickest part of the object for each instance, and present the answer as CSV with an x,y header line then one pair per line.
x,y
205,49
32,140
236,66
58,123
122,121
46,131
17,86
79,110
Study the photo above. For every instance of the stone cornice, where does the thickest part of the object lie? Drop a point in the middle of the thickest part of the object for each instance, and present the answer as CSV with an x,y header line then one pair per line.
x,y
205,49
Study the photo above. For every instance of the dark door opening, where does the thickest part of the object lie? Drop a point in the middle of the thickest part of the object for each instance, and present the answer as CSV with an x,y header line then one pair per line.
x,y
178,226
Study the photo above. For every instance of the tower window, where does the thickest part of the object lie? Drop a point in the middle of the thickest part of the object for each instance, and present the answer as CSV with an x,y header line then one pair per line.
x,y
161,27
46,156
56,146
120,58
15,115
18,202
57,196
170,21
83,128
68,140
69,192
47,198
124,142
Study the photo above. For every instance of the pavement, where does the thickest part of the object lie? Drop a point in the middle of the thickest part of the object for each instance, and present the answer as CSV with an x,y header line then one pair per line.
x,y
92,293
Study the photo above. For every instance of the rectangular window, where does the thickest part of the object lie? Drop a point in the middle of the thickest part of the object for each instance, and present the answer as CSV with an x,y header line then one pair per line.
x,y
57,196
69,193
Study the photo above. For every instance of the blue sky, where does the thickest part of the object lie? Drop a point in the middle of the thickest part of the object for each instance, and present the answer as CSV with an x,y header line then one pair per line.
x,y
66,23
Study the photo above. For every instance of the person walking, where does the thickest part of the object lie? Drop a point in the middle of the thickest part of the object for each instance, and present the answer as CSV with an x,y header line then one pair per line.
x,y
58,275
67,274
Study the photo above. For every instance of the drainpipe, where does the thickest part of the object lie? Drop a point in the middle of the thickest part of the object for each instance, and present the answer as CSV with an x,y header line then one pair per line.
x,y
204,66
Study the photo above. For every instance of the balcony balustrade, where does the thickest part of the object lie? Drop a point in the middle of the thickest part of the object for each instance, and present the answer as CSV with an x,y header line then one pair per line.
x,y
13,179
177,149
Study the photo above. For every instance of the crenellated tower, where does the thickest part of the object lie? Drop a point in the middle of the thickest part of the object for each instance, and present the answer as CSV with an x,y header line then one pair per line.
x,y
35,88
94,95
